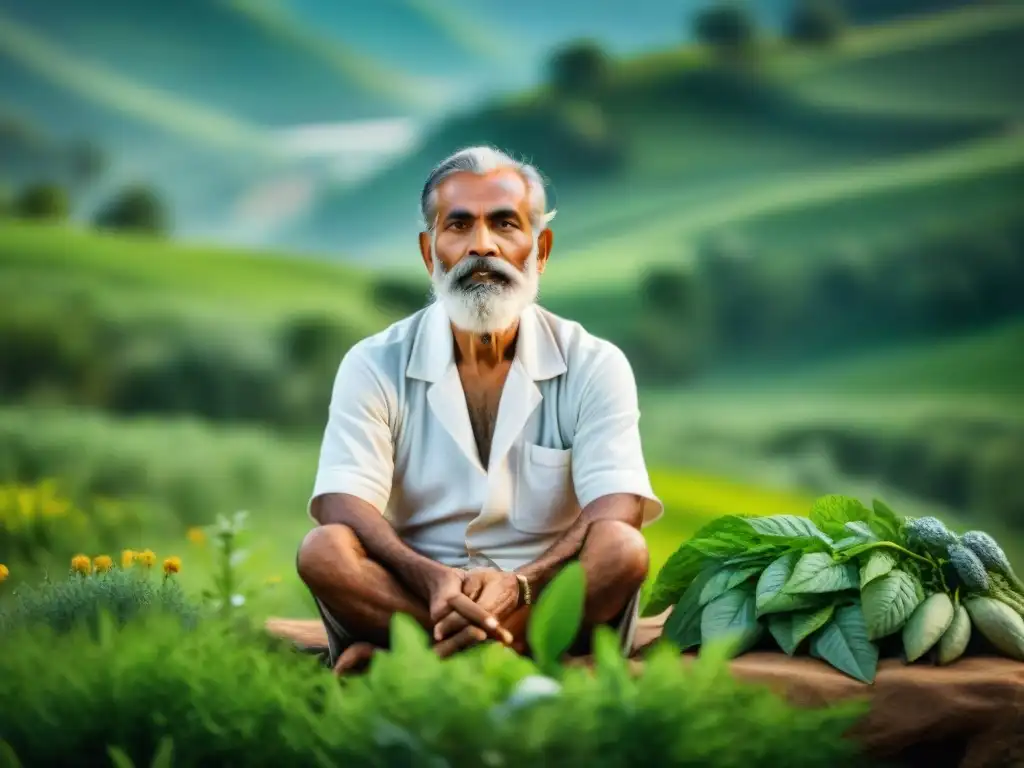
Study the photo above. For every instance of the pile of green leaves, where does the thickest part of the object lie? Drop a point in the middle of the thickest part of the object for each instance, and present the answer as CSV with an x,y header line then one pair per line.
x,y
218,695
848,583
79,601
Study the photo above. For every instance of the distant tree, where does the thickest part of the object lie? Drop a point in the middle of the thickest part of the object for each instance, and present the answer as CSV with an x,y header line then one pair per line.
x,y
42,201
816,22
136,208
580,68
726,26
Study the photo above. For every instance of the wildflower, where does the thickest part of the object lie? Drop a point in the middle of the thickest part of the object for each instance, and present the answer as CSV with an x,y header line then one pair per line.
x,y
127,558
196,535
102,563
81,564
146,558
172,565
4,573
271,580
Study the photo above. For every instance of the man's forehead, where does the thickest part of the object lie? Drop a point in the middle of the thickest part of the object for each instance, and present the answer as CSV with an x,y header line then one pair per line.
x,y
503,187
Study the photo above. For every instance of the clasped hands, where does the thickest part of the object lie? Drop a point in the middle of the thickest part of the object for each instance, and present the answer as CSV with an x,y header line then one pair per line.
x,y
469,607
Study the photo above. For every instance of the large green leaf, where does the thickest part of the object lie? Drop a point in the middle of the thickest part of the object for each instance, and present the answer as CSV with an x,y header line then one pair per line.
x,y
724,537
780,625
817,572
556,618
806,623
683,625
831,513
886,523
786,527
725,579
774,578
888,602
843,642
770,597
878,564
731,617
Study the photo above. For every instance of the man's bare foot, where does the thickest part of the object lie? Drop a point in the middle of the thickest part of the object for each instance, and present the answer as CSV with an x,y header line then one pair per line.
x,y
355,658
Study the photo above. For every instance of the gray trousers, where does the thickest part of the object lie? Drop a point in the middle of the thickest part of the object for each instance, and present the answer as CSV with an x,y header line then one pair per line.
x,y
339,638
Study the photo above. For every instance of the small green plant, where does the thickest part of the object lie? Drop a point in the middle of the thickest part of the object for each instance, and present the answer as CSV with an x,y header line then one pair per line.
x,y
230,590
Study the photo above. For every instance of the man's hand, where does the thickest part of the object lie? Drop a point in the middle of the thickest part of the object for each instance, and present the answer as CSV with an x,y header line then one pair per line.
x,y
495,593
446,597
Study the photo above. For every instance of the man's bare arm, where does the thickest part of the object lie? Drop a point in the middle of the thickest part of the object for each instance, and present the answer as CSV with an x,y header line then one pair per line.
x,y
420,574
624,507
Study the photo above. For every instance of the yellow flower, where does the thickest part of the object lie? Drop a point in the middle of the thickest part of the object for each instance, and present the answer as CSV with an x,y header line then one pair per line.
x,y
196,535
127,558
172,565
103,563
146,558
81,564
273,580
4,573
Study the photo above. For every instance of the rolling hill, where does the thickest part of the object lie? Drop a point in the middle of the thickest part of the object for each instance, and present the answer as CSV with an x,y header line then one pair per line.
x,y
689,143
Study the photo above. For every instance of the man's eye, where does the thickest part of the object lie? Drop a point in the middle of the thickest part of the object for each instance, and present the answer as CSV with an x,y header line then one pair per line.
x,y
507,224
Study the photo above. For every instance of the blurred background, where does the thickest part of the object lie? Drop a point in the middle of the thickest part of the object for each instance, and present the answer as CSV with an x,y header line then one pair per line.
x,y
802,220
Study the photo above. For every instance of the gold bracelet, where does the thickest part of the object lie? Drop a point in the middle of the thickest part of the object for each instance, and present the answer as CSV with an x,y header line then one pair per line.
x,y
525,596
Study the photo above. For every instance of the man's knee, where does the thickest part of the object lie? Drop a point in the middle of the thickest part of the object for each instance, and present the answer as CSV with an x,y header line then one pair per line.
x,y
327,554
622,550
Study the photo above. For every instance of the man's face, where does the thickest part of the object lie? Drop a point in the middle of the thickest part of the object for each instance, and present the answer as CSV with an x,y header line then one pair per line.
x,y
483,255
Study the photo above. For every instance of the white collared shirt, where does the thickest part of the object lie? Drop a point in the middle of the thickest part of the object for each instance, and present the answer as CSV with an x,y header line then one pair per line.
x,y
398,436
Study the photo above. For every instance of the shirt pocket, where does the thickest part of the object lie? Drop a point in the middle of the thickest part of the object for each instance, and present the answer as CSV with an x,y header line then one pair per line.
x,y
545,497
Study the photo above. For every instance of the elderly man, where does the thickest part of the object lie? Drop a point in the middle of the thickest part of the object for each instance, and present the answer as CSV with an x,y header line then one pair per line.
x,y
476,447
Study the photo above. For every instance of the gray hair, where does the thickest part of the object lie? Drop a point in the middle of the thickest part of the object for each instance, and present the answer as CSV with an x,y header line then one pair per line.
x,y
481,160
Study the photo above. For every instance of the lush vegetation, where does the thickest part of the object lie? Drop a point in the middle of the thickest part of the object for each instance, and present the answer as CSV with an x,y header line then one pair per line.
x,y
146,686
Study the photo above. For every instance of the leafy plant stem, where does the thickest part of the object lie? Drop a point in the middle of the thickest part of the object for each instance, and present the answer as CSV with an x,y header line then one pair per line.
x,y
898,548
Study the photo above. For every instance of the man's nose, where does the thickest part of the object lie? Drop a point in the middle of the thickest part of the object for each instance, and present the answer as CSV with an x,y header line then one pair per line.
x,y
482,244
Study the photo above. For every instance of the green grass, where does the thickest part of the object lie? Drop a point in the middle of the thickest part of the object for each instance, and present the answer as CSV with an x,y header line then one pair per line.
x,y
139,272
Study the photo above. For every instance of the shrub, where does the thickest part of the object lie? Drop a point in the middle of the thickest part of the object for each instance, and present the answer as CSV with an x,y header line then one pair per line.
x,y
816,22
42,201
579,69
135,208
98,587
226,697
726,26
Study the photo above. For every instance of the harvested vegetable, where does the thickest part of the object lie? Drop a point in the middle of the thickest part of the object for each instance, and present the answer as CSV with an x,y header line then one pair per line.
x,y
838,583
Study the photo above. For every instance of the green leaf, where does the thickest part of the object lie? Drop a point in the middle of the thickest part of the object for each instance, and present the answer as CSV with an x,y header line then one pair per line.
x,y
407,636
119,758
817,572
886,523
774,578
878,564
843,642
683,625
164,757
724,537
8,758
861,530
731,617
787,527
832,513
806,623
555,620
888,602
723,580
762,553
780,625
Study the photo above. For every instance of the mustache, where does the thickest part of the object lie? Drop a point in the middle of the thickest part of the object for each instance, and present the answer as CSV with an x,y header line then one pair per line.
x,y
461,272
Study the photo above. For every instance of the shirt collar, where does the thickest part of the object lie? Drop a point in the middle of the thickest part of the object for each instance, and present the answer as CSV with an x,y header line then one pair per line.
x,y
433,349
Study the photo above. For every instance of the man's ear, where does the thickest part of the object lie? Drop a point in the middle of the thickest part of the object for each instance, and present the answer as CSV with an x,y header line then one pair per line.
x,y
428,259
544,243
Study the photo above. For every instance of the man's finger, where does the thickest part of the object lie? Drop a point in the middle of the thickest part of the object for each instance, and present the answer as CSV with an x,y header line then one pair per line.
x,y
468,637
449,625
473,613
472,586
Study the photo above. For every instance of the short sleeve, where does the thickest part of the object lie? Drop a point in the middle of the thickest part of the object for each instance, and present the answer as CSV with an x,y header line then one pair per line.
x,y
357,452
607,452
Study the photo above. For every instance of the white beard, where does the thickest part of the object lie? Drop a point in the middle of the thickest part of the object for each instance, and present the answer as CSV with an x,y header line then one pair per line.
x,y
491,307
